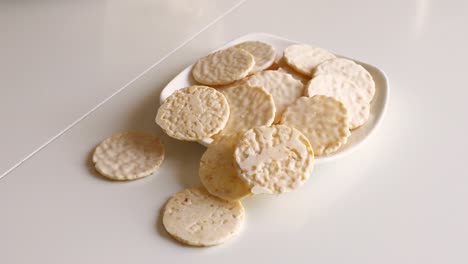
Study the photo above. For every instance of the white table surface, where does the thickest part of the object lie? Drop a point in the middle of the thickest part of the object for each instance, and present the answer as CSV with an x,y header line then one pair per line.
x,y
400,198
61,59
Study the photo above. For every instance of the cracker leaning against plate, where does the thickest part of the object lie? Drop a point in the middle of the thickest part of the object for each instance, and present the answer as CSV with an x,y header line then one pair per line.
x,y
128,156
274,159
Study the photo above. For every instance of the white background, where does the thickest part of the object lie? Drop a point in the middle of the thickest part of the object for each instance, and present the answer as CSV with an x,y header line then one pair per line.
x,y
68,74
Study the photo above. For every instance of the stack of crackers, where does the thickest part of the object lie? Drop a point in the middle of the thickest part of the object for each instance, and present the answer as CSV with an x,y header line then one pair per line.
x,y
267,119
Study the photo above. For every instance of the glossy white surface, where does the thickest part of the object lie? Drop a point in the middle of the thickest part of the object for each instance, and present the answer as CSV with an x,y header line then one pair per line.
x,y
59,59
400,198
358,136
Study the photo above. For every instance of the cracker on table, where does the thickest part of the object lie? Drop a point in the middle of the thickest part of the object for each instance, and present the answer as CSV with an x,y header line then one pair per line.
x,y
128,156
197,218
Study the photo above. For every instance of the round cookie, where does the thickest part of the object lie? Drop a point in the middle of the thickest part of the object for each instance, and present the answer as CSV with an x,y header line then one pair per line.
x,y
128,156
345,91
304,58
197,218
282,86
273,159
322,119
223,67
249,107
264,54
217,171
351,70
193,113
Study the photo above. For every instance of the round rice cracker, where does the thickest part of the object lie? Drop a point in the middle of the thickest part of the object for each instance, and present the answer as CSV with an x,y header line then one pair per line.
x,y
351,70
345,91
217,171
193,113
264,54
249,107
128,156
282,86
197,218
273,159
223,67
305,58
322,119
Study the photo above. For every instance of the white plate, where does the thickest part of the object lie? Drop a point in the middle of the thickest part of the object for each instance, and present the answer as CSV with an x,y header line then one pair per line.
x,y
358,136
